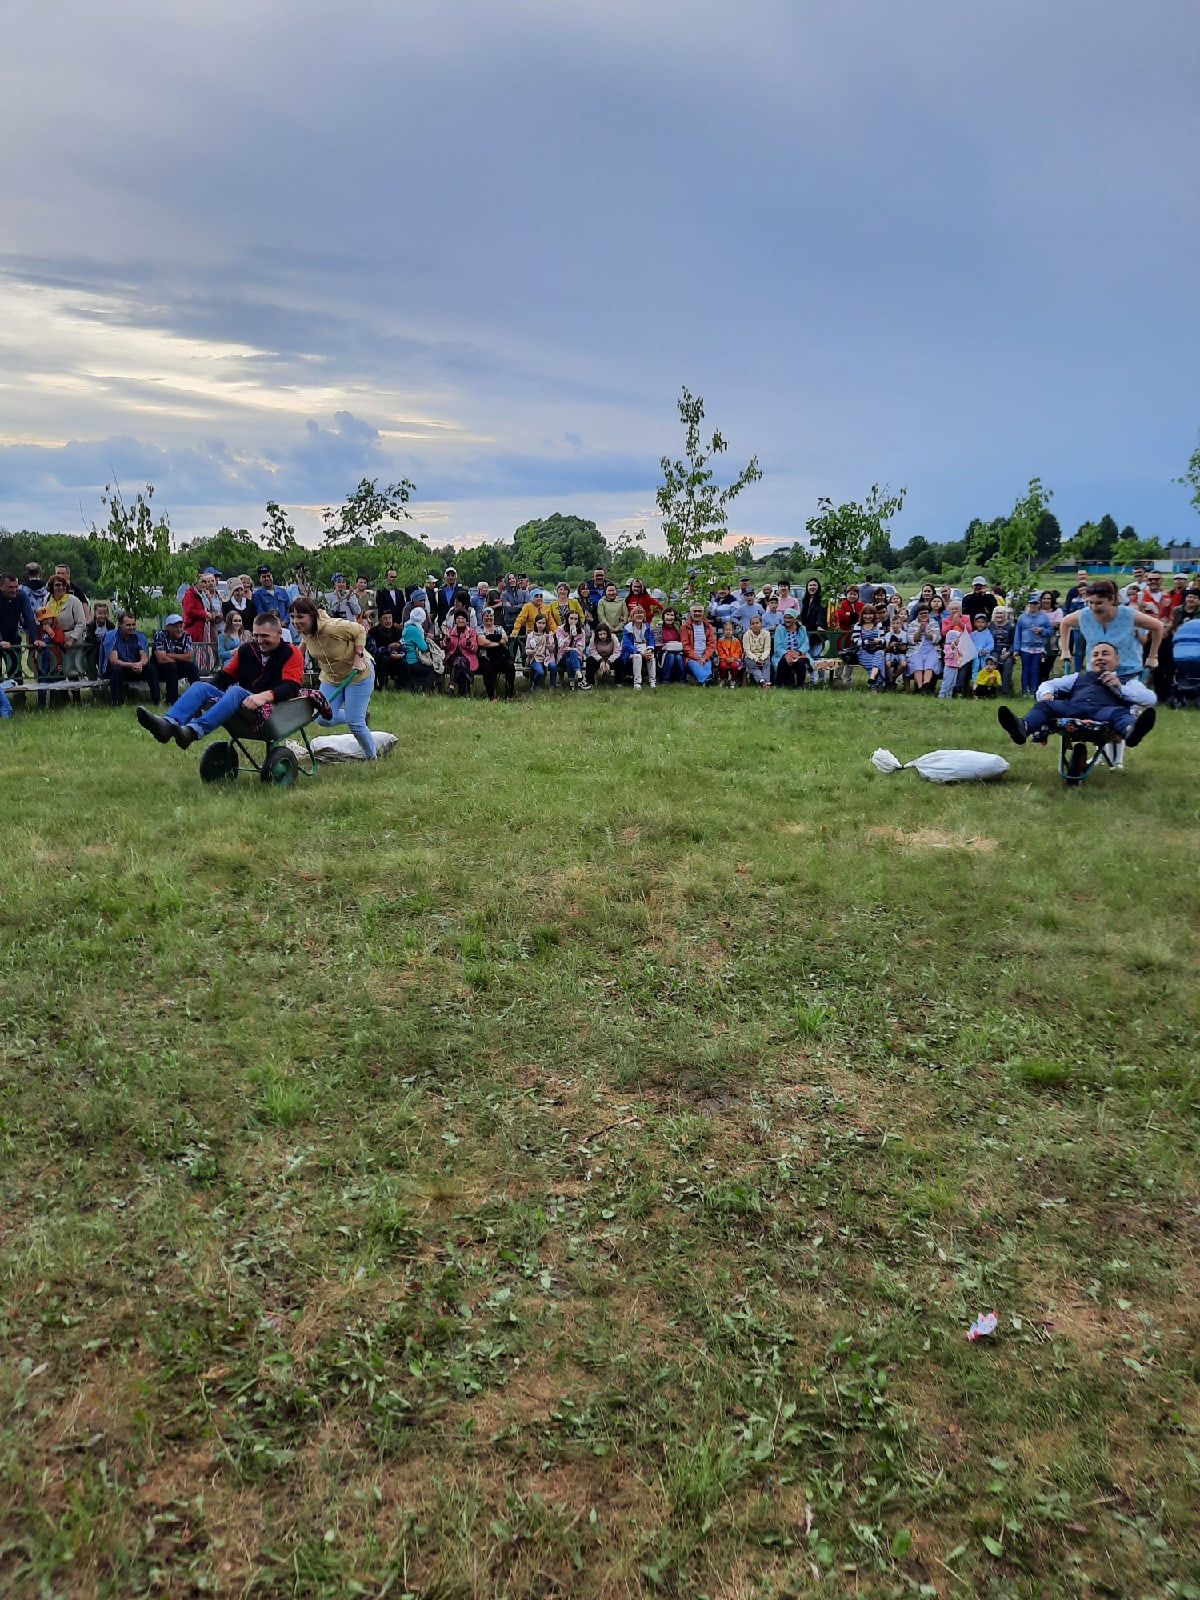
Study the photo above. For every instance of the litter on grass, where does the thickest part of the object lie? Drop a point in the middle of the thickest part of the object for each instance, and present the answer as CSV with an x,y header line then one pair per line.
x,y
983,1327
946,766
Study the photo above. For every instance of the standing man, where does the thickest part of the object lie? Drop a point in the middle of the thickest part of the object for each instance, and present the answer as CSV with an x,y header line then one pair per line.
x,y
17,617
597,588
979,603
481,601
267,597
450,594
390,597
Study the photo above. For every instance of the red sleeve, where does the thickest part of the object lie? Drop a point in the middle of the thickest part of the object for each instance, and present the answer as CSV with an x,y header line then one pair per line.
x,y
293,668
193,609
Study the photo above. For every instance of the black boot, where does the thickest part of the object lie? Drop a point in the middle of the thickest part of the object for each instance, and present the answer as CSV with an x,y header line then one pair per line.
x,y
1146,720
160,727
1012,724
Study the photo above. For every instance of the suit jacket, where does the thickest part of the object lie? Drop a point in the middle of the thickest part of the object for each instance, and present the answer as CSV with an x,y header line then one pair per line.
x,y
392,600
446,604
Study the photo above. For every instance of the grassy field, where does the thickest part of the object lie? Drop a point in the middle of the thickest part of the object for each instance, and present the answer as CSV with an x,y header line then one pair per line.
x,y
566,1160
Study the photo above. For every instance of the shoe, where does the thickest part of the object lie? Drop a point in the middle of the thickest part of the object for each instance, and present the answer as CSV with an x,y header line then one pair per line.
x,y
185,735
1146,720
1012,724
162,728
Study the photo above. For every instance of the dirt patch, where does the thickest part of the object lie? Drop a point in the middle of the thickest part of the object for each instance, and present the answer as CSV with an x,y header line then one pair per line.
x,y
935,839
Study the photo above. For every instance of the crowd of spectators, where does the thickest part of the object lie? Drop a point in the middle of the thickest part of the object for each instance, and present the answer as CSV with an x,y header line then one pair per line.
x,y
442,635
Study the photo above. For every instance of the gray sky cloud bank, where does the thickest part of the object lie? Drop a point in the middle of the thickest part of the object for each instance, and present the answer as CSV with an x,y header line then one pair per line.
x,y
259,250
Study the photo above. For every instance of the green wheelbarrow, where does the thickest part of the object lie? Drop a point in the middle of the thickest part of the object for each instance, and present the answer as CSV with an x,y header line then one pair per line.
x,y
222,760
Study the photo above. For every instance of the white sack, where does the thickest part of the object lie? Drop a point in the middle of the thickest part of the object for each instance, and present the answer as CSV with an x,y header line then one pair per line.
x,y
344,747
946,766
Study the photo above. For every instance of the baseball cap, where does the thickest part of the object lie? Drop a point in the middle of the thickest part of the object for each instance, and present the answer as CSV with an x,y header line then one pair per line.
x,y
174,617
975,581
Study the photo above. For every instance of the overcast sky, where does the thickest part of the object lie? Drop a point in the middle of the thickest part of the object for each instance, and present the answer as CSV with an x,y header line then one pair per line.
x,y
261,249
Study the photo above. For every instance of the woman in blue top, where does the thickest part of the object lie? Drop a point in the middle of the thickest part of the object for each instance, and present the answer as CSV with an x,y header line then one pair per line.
x,y
792,651
418,674
1104,620
1033,633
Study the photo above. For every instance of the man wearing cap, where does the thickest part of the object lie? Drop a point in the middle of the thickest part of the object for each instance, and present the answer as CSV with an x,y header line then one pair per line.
x,y
745,607
979,603
173,656
341,602
450,594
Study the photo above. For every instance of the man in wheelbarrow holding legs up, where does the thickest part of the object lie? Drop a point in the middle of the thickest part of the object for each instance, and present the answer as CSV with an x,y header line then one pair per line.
x,y
1095,696
264,672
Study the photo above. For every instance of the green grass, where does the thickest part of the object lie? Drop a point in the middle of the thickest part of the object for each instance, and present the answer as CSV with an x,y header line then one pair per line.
x,y
566,1159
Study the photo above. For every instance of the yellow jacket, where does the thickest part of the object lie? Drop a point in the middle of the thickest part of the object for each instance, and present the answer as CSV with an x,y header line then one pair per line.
x,y
558,616
334,646
528,615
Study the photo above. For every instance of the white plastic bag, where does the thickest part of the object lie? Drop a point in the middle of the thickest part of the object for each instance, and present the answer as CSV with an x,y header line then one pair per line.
x,y
946,766
344,747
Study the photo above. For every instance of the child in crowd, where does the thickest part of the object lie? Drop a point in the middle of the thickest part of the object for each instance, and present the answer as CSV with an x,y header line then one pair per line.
x,y
729,657
541,653
866,640
985,644
756,652
670,647
952,660
987,680
571,639
603,656
895,647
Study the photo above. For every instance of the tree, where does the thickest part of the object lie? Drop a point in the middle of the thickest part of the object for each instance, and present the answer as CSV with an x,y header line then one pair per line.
x,y
363,513
1017,555
1127,551
1191,477
842,535
694,508
547,546
1047,538
134,550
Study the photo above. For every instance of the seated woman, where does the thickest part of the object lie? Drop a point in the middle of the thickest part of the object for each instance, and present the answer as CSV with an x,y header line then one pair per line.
x,y
757,645
637,648
924,649
230,637
1097,695
418,664
462,655
670,647
792,652
867,639
495,662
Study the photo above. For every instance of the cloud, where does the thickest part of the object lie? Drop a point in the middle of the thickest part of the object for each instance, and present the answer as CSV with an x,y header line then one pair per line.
x,y
939,244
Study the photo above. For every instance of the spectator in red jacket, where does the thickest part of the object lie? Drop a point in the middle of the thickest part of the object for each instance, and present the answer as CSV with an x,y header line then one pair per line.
x,y
262,673
699,646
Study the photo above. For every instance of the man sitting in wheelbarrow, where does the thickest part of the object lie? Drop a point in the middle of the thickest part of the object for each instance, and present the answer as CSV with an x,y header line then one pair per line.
x,y
264,672
1094,696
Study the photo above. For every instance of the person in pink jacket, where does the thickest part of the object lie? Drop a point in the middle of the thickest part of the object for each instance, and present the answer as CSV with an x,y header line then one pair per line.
x,y
462,654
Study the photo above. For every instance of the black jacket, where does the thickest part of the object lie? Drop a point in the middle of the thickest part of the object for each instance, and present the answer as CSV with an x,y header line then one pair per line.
x,y
393,600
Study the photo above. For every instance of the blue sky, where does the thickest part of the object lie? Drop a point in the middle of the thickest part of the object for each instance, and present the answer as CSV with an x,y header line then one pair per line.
x,y
259,250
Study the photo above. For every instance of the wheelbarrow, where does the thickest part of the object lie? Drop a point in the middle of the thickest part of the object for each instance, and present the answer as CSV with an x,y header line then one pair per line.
x,y
222,759
1084,744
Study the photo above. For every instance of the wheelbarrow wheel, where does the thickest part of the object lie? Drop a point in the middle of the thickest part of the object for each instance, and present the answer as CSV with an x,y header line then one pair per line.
x,y
280,768
1077,762
219,763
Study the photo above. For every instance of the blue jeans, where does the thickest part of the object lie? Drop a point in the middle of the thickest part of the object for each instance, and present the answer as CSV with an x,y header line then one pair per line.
x,y
349,708
571,663
700,670
205,708
670,668
1031,670
1119,718
541,670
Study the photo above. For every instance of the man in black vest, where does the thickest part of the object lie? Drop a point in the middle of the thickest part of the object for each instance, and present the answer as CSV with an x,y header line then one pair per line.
x,y
1094,696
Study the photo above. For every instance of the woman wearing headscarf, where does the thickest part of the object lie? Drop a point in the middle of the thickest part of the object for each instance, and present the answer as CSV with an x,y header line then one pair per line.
x,y
417,660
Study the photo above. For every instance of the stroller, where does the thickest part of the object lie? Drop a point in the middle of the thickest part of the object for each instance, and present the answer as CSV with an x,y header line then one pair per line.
x,y
1185,680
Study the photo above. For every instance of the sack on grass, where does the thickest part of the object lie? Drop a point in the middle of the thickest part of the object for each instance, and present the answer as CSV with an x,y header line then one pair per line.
x,y
344,747
946,766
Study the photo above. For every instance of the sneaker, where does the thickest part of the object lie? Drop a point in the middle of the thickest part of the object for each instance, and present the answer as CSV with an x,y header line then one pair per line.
x,y
1012,724
637,686
162,728
185,735
1146,720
